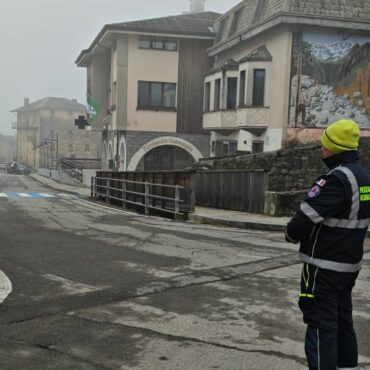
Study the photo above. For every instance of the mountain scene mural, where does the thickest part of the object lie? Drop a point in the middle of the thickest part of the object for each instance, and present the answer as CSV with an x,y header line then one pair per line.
x,y
330,80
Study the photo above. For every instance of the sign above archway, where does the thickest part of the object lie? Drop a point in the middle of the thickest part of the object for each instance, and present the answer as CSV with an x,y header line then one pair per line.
x,y
163,141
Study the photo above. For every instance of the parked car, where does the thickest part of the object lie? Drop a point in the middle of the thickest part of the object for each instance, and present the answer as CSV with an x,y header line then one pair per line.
x,y
17,169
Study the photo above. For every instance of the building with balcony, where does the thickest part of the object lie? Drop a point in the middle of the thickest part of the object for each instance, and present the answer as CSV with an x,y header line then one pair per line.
x,y
285,69
46,131
148,76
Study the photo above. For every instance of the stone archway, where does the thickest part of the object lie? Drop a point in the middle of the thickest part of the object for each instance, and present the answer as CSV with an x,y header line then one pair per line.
x,y
164,141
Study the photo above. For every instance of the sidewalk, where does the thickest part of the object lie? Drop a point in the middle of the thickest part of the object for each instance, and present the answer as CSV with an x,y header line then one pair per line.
x,y
242,220
78,190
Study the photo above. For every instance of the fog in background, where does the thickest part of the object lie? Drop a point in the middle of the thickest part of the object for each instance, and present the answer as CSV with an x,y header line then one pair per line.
x,y
41,39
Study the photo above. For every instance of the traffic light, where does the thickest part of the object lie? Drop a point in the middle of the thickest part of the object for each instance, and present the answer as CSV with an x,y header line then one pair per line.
x,y
81,122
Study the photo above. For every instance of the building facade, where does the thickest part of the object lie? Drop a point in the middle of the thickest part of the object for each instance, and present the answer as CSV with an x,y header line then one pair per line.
x,y
46,131
148,76
284,70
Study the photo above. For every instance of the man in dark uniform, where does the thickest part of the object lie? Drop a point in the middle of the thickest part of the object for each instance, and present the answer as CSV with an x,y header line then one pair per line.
x,y
331,226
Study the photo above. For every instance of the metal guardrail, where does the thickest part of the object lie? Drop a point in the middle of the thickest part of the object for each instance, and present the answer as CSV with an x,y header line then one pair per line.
x,y
119,190
73,169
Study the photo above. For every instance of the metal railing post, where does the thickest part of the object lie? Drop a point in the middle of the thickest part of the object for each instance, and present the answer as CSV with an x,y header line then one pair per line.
x,y
177,202
124,194
147,188
92,187
107,190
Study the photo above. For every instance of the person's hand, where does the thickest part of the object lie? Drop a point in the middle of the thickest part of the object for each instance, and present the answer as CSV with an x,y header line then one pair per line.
x,y
289,239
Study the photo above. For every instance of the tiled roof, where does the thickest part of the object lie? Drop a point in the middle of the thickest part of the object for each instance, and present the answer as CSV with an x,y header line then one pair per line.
x,y
191,23
58,104
188,24
255,12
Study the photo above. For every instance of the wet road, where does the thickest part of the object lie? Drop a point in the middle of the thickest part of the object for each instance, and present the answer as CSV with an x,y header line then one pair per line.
x,y
99,288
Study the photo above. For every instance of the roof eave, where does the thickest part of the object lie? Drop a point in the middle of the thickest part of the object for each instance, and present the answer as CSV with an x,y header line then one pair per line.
x,y
289,18
118,30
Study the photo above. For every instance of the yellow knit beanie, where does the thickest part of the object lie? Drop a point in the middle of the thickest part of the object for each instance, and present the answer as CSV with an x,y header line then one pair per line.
x,y
341,136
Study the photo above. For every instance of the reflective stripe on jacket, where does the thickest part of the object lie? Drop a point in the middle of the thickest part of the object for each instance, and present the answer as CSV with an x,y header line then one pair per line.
x,y
332,221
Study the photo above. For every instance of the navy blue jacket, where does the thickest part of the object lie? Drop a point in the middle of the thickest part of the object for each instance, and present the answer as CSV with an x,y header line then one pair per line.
x,y
332,221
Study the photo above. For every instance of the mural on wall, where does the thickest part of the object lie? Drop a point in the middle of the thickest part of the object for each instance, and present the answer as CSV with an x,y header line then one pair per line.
x,y
330,79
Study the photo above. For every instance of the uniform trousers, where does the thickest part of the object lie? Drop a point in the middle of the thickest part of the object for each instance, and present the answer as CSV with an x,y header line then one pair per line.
x,y
326,304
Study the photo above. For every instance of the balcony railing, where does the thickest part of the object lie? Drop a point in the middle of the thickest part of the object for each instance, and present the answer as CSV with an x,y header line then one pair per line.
x,y
220,119
253,116
23,125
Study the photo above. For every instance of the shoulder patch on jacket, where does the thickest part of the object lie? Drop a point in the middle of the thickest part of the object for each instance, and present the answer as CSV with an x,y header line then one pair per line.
x,y
321,183
314,192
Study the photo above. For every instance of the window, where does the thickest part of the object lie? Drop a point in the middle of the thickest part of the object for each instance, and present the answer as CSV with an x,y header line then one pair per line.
x,y
145,42
259,88
257,147
242,89
226,148
217,94
169,95
207,96
221,29
235,22
156,95
158,43
232,83
70,147
87,147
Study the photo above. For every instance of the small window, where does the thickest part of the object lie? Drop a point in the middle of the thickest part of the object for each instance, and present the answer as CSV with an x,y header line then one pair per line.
x,y
259,88
87,147
235,22
144,42
232,83
170,44
242,89
257,147
217,94
70,147
213,146
157,43
207,96
221,29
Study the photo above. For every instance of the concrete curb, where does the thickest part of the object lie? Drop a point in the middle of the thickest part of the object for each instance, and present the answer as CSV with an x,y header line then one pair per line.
x,y
237,224
57,188
240,224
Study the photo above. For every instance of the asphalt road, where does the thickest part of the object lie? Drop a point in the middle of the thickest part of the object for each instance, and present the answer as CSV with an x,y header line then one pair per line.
x,y
99,288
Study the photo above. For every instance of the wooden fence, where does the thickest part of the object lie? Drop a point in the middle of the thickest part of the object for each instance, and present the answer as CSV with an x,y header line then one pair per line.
x,y
233,190
160,196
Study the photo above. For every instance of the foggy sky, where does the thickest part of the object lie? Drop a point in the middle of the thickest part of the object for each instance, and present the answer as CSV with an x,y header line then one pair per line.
x,y
41,39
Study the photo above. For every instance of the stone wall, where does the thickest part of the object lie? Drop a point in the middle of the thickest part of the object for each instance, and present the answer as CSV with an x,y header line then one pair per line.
x,y
290,169
291,172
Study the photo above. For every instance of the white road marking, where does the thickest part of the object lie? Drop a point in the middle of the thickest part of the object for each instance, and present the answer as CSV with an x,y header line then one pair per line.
x,y
72,287
24,195
43,195
5,287
3,195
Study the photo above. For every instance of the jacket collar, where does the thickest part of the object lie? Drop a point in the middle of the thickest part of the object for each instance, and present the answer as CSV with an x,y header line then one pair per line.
x,y
341,158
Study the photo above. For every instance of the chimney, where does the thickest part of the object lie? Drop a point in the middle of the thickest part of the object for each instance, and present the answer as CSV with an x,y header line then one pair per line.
x,y
197,6
26,101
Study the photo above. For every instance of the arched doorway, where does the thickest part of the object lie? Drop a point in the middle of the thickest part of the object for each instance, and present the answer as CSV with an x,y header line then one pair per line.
x,y
165,158
164,153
